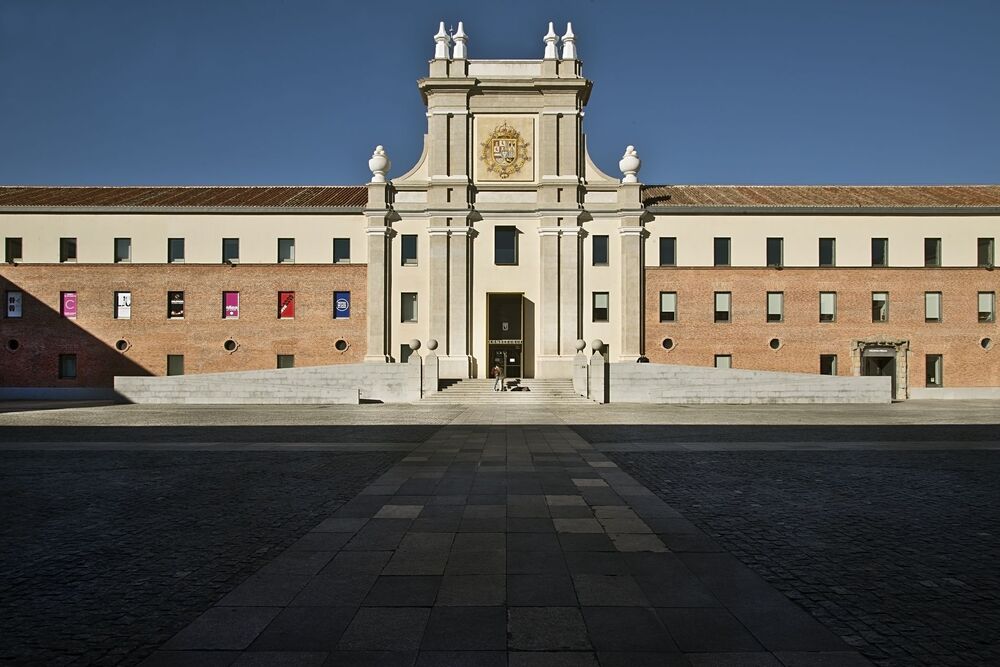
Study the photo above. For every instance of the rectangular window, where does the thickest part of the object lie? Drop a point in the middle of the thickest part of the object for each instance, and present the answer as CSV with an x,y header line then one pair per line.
x,y
828,252
721,251
775,251
600,250
341,305
67,249
175,364
723,361
286,251
68,305
286,305
230,251
932,252
984,252
934,364
880,252
880,306
932,306
668,251
505,246
123,305
601,307
175,305
827,306
175,250
286,361
775,306
342,251
408,307
15,301
12,249
668,306
230,305
123,250
408,243
827,364
723,306
67,366
987,306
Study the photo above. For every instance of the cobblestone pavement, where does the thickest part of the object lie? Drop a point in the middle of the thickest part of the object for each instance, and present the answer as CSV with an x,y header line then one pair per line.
x,y
105,555
895,551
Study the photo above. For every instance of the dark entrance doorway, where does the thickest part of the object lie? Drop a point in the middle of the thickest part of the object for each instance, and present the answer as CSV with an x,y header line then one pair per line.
x,y
879,361
505,333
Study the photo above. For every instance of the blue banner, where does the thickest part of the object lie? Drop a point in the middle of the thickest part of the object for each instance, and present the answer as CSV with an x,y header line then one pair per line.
x,y
341,305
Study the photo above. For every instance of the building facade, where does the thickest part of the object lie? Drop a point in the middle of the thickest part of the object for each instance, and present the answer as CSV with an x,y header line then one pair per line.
x,y
504,244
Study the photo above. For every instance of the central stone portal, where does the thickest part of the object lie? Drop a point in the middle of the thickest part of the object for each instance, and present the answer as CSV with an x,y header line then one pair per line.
x,y
506,345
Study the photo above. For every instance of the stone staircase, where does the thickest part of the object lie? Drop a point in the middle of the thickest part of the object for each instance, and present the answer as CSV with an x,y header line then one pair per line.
x,y
520,392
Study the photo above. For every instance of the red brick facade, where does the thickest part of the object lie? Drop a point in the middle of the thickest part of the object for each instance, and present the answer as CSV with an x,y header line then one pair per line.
x,y
42,334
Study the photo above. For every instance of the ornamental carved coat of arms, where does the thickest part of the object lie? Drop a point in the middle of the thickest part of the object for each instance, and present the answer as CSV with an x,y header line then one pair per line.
x,y
505,151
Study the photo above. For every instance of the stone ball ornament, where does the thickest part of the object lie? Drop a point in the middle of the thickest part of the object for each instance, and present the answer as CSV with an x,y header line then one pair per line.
x,y
630,164
432,344
581,345
597,345
379,165
414,344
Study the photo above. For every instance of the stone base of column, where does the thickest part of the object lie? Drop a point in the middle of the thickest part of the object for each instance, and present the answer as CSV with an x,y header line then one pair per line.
x,y
455,366
377,359
554,366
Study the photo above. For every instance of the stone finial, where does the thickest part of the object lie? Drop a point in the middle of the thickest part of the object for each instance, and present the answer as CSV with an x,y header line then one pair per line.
x,y
630,165
379,165
597,345
550,39
581,345
432,344
441,40
414,344
461,50
569,43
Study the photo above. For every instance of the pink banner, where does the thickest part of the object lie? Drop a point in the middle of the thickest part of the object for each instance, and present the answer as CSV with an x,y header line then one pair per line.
x,y
230,305
69,305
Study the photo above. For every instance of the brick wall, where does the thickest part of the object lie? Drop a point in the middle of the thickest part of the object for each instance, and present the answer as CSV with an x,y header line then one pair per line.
x,y
43,334
697,338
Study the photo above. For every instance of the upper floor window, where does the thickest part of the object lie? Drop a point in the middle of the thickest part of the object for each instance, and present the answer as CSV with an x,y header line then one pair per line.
x,y
408,243
286,251
67,366
230,251
175,250
12,249
342,251
932,252
668,306
600,250
721,251
987,306
408,307
123,250
984,252
723,306
880,306
827,306
775,306
67,249
668,251
601,307
932,306
880,252
775,251
505,245
828,252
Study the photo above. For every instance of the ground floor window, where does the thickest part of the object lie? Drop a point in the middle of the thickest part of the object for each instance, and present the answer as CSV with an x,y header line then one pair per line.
x,y
175,364
935,370
601,308
67,366
404,353
286,361
827,364
668,306
987,307
723,361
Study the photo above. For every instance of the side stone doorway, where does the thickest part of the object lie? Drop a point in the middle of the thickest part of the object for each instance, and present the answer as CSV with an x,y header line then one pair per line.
x,y
875,357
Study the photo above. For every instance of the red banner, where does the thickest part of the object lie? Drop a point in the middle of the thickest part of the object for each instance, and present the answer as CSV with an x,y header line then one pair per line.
x,y
286,305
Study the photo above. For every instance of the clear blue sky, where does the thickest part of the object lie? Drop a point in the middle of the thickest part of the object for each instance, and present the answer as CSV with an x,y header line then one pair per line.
x,y
299,91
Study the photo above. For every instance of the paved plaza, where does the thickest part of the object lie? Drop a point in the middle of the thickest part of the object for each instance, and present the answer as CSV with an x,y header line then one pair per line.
x,y
460,535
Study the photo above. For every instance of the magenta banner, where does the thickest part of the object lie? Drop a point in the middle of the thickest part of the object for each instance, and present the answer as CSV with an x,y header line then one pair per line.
x,y
230,305
69,305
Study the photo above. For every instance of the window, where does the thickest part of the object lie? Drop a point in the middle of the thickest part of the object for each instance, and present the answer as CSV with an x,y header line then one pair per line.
x,y
14,301
775,306
341,305
723,306
230,305
286,361
175,250
405,351
932,306
827,364
12,249
601,306
775,251
721,251
409,249
828,252
668,306
175,364
123,250
880,306
600,250
408,307
984,252
68,305
67,249
175,305
67,366
934,364
342,251
987,306
668,251
123,305
286,251
505,245
286,305
880,252
230,251
827,306
723,361
932,252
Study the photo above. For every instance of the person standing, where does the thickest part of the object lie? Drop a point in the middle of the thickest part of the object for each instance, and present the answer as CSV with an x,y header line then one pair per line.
x,y
497,373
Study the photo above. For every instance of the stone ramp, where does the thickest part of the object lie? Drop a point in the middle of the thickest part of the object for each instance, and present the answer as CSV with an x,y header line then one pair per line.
x,y
520,392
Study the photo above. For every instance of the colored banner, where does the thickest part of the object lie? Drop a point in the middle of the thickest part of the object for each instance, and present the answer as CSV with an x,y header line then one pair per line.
x,y
175,306
69,305
14,303
123,305
341,305
230,305
286,305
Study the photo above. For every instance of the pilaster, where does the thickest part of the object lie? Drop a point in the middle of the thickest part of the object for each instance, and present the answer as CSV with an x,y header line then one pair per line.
x,y
631,263
378,289
569,289
548,315
437,270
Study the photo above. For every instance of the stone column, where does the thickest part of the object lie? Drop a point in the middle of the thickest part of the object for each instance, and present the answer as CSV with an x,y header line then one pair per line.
x,y
569,289
632,271
378,285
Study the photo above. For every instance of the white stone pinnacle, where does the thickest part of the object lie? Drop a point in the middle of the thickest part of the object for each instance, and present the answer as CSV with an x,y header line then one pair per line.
x,y
441,40
461,51
379,165
569,43
550,39
630,165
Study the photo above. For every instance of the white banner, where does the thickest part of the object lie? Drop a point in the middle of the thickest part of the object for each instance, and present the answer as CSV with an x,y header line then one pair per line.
x,y
123,305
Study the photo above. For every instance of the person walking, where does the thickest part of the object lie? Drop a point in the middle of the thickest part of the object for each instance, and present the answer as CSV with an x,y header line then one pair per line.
x,y
497,373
